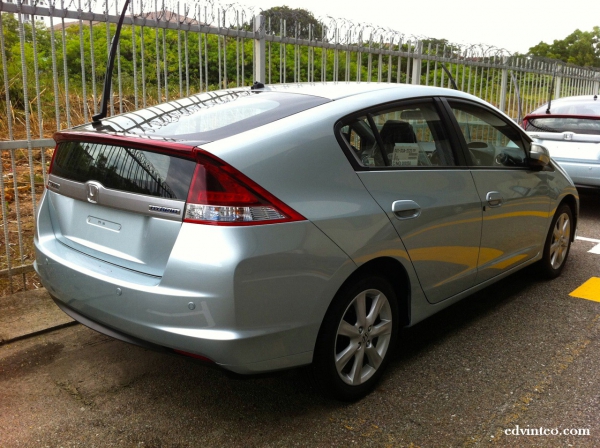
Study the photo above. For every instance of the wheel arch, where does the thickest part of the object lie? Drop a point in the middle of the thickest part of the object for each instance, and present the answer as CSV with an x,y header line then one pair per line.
x,y
572,203
394,272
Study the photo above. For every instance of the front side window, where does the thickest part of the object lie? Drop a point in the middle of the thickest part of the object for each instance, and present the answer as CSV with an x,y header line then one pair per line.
x,y
405,136
491,141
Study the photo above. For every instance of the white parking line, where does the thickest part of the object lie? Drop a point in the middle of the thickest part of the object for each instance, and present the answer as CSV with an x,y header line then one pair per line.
x,y
593,250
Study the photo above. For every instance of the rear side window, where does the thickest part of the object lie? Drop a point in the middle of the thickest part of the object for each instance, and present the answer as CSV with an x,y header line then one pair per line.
x,y
124,169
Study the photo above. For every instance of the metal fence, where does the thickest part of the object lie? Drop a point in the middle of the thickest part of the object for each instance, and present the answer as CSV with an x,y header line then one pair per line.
x,y
52,71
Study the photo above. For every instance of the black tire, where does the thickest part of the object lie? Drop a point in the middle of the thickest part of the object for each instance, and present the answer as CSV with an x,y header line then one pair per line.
x,y
366,339
558,243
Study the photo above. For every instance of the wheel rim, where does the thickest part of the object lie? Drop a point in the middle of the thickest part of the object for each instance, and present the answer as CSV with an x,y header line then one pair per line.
x,y
363,337
561,237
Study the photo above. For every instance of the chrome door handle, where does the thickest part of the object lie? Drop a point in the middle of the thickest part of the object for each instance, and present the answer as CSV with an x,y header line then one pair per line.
x,y
494,199
406,209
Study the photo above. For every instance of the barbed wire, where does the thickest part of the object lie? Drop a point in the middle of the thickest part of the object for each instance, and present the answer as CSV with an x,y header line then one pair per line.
x,y
326,29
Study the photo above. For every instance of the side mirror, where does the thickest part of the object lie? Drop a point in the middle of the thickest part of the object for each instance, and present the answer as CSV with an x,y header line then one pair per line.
x,y
539,156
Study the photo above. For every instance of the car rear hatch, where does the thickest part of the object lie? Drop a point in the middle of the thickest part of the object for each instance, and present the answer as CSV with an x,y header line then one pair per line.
x,y
120,203
567,137
569,146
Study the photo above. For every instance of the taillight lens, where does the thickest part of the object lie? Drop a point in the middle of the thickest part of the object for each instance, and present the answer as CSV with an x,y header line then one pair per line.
x,y
221,195
52,160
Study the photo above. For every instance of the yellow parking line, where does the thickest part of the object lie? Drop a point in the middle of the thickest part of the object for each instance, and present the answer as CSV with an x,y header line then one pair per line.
x,y
590,290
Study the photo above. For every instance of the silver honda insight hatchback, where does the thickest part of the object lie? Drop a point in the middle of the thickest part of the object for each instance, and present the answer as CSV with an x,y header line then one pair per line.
x,y
287,225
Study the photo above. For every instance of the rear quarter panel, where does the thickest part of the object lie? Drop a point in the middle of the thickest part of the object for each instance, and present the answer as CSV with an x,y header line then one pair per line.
x,y
299,160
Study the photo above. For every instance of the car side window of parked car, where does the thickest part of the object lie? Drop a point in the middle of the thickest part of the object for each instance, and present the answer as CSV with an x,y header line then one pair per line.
x,y
359,136
405,136
412,136
491,141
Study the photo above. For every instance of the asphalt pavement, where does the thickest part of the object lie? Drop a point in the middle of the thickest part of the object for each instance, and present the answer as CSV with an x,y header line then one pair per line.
x,y
494,370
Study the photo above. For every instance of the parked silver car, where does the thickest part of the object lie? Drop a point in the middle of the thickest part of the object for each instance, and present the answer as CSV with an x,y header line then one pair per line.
x,y
295,224
570,129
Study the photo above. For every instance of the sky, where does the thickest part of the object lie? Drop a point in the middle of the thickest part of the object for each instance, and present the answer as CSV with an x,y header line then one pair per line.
x,y
515,25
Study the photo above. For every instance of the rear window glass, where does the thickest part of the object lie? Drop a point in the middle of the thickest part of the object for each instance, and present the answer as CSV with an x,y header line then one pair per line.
x,y
212,116
124,169
572,106
561,124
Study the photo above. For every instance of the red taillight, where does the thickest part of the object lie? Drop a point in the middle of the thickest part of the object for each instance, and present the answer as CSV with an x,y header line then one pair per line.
x,y
193,355
52,161
221,195
525,122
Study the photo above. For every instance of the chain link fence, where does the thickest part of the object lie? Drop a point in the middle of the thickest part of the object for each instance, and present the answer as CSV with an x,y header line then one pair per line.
x,y
54,55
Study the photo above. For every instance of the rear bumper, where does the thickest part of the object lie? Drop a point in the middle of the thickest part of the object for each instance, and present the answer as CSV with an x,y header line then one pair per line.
x,y
582,173
251,299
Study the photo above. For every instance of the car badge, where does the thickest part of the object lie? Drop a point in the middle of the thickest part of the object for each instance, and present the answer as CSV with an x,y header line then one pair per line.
x,y
157,208
92,193
52,184
568,136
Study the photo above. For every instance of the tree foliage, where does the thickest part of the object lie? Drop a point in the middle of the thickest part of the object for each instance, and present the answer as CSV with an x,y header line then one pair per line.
x,y
579,48
296,21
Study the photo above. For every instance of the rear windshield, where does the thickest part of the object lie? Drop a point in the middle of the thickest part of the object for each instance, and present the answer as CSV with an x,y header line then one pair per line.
x,y
572,106
213,115
560,124
124,169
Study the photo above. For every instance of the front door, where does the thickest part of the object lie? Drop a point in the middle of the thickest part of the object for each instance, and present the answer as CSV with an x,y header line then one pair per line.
x,y
514,198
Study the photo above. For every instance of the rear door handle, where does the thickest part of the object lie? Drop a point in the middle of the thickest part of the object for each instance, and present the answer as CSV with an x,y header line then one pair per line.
x,y
494,199
406,209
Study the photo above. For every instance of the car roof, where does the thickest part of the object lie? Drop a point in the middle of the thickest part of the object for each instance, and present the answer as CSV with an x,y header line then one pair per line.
x,y
338,90
157,122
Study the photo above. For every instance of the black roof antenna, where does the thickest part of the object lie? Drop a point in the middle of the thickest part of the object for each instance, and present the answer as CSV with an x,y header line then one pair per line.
x,y
109,68
551,89
454,86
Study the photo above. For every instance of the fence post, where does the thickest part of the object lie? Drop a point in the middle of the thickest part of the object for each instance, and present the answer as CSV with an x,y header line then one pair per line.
x,y
596,84
503,86
558,82
259,49
416,68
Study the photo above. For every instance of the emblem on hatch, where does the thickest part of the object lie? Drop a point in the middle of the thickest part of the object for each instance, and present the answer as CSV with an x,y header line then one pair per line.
x,y
157,208
568,135
92,193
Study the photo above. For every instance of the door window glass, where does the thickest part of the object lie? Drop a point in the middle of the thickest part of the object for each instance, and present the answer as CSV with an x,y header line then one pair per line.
x,y
405,136
360,137
491,141
412,136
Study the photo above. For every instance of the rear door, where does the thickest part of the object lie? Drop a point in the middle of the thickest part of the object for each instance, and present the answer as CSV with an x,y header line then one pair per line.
x,y
515,198
406,162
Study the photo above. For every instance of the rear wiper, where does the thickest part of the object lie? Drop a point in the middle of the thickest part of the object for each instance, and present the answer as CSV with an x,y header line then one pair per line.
x,y
109,68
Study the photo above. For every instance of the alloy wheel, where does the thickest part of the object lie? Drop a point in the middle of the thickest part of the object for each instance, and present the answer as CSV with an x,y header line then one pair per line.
x,y
363,337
